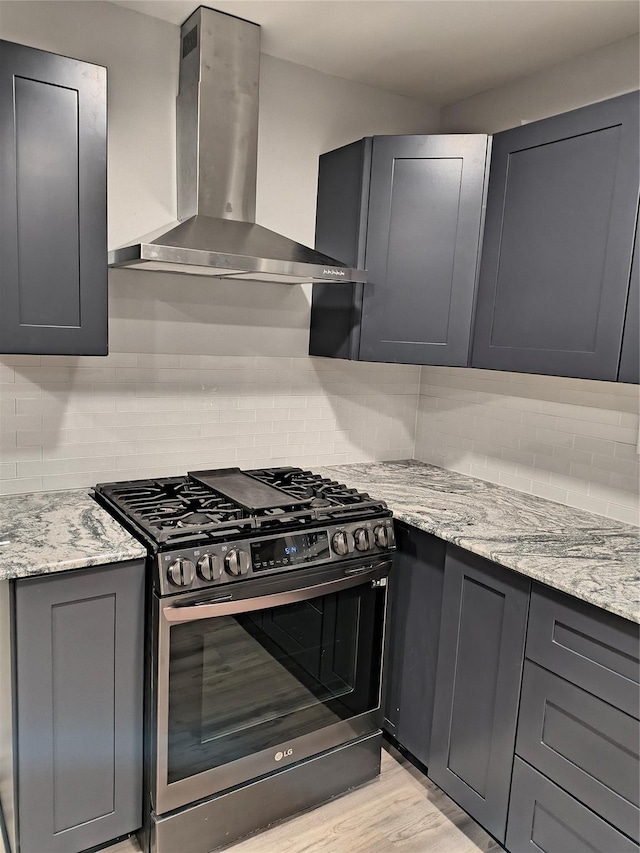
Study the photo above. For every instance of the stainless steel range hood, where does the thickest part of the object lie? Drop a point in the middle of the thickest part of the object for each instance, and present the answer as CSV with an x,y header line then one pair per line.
x,y
217,145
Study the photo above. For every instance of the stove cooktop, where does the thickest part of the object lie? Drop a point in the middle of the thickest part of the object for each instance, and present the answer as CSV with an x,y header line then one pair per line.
x,y
219,504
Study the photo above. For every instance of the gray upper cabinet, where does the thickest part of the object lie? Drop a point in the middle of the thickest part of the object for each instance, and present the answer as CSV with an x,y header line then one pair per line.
x,y
78,671
410,210
558,243
53,223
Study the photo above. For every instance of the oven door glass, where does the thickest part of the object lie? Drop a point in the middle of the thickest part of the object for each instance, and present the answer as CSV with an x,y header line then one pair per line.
x,y
256,681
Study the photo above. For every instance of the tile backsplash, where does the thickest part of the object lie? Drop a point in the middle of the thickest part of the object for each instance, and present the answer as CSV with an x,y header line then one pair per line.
x,y
573,441
68,422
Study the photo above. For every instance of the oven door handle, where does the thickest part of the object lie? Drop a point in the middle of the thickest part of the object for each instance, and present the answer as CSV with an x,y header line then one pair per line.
x,y
178,614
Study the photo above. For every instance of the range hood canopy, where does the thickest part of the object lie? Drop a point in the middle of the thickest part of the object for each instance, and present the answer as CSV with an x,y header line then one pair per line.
x,y
217,149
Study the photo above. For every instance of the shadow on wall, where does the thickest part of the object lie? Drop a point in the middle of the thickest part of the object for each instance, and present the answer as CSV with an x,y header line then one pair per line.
x,y
201,373
168,313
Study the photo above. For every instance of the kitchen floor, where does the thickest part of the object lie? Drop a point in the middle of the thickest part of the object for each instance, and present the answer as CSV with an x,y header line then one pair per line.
x,y
401,811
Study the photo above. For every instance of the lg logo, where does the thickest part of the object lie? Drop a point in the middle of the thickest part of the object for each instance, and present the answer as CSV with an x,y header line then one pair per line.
x,y
285,754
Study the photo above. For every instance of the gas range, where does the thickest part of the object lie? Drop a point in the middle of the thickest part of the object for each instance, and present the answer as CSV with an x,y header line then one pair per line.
x,y
265,639
217,527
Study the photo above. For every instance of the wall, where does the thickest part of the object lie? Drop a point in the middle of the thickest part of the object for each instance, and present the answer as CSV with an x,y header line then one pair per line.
x,y
602,73
572,441
200,372
569,440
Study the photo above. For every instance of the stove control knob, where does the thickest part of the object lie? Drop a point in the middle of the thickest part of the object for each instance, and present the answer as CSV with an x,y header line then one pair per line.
x,y
384,536
364,539
181,572
237,562
343,543
210,567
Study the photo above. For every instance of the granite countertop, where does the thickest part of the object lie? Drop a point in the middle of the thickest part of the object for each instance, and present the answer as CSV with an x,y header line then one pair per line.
x,y
55,531
588,556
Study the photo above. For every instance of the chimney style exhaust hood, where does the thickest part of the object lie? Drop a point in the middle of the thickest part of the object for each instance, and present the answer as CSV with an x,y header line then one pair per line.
x,y
217,149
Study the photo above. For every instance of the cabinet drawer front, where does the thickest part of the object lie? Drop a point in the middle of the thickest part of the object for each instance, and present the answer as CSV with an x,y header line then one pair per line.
x,y
588,646
542,817
582,743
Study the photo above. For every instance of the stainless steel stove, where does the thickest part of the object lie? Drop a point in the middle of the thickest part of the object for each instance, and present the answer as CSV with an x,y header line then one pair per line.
x,y
268,601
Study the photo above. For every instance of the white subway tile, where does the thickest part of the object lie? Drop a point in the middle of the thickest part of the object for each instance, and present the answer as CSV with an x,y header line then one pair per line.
x,y
630,515
551,493
484,473
20,486
586,502
612,494
521,484
8,470
65,466
539,420
554,436
7,374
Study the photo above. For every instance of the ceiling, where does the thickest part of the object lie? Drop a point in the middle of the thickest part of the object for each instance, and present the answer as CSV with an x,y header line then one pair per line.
x,y
437,50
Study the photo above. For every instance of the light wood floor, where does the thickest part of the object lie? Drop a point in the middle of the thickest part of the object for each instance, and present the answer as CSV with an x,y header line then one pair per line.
x,y
401,811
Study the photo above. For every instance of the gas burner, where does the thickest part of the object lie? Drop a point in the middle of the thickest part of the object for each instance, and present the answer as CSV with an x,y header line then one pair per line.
x,y
216,505
320,502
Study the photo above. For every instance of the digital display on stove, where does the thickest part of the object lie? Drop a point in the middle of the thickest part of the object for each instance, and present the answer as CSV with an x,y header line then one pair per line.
x,y
286,551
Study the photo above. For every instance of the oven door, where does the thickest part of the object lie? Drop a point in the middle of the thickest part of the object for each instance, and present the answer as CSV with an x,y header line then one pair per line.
x,y
247,686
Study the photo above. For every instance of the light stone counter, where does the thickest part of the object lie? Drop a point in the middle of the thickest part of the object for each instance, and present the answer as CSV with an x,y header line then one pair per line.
x,y
47,532
588,556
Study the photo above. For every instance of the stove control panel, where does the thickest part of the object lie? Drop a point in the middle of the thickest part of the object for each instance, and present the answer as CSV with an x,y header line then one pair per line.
x,y
214,564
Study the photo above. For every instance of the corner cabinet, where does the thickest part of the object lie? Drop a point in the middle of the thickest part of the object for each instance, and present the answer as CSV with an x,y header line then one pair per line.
x,y
410,210
530,720
53,204
77,673
558,244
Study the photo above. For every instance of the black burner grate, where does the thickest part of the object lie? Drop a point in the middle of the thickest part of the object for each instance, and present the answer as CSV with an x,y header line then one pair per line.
x,y
179,509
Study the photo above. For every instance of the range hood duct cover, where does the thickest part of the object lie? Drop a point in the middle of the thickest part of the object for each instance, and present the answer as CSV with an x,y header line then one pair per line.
x,y
217,150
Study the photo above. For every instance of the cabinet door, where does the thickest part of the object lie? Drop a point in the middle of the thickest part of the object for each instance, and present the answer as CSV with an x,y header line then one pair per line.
x,y
561,211
53,224
414,626
630,358
424,224
79,665
480,659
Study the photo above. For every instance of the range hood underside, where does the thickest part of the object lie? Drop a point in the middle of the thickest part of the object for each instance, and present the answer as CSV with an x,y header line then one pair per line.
x,y
251,252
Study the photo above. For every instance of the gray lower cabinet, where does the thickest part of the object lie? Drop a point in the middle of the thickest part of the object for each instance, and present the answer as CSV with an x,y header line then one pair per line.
x,y
78,672
480,659
410,210
587,746
414,627
53,203
545,819
578,731
590,647
558,243
522,702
